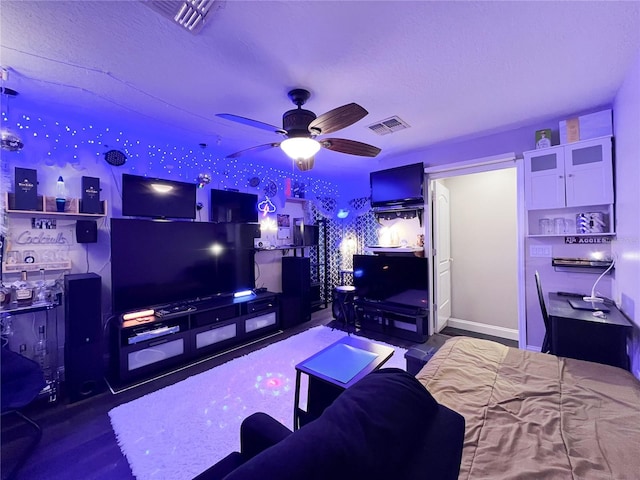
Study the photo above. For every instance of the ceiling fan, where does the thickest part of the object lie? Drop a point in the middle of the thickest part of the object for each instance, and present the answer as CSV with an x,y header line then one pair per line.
x,y
301,127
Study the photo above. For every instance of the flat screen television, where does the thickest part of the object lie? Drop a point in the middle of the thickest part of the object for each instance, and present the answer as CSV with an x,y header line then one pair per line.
x,y
156,262
157,198
397,280
306,235
399,186
228,206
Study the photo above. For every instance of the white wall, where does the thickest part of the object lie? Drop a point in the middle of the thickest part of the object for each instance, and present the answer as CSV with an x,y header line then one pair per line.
x,y
626,289
484,248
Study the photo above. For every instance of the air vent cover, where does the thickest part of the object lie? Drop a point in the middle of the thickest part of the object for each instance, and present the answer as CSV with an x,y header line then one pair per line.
x,y
389,125
189,14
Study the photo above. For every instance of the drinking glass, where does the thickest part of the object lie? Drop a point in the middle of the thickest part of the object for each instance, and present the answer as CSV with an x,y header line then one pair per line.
x,y
545,226
559,226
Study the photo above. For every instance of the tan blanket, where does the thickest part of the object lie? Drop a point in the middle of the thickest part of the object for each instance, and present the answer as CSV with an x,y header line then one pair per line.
x,y
536,416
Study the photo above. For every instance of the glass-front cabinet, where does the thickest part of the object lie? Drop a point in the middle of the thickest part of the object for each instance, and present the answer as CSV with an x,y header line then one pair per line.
x,y
567,181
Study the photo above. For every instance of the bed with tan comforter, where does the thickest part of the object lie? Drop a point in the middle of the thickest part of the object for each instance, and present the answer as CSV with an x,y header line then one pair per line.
x,y
535,416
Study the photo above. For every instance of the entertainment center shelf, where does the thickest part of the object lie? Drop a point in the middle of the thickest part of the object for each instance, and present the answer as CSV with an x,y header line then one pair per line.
x,y
402,321
187,332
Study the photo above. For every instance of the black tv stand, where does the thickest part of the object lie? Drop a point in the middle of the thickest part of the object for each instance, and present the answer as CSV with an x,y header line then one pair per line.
x,y
398,320
189,331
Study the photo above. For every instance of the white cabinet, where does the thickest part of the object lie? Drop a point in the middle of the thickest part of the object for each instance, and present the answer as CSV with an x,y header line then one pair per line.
x,y
565,181
573,175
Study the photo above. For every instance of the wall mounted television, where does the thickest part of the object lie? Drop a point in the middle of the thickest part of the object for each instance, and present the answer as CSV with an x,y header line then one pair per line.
x,y
155,262
401,280
397,187
157,198
228,206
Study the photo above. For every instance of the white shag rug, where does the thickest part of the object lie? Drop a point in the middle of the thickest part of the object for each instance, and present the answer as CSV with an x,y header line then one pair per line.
x,y
181,430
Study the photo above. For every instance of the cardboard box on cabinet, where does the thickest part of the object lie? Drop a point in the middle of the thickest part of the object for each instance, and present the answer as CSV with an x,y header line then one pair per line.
x,y
584,127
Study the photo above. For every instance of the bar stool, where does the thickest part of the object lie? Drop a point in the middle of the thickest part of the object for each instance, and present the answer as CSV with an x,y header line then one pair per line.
x,y
343,308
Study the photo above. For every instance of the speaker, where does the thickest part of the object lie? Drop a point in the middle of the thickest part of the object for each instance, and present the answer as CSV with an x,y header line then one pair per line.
x,y
295,301
83,363
294,310
86,231
296,275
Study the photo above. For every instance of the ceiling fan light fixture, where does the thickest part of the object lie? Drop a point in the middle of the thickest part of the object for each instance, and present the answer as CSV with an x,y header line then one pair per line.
x,y
300,148
305,165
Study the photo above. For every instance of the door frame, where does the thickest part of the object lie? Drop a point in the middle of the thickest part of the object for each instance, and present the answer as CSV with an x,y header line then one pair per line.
x,y
478,165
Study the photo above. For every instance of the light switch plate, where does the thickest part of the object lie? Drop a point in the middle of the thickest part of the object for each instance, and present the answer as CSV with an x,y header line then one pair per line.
x,y
540,251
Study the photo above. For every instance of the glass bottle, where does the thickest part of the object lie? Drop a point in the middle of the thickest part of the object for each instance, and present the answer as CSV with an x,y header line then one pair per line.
x,y
41,288
23,291
40,353
5,295
7,326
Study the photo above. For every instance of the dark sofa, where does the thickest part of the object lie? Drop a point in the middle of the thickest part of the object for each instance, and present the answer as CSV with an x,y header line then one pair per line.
x,y
386,426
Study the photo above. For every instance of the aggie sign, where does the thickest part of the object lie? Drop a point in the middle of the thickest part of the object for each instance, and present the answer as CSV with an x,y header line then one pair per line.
x,y
587,240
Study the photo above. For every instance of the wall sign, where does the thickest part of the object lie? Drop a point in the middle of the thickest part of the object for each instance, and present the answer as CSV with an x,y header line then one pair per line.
x,y
586,240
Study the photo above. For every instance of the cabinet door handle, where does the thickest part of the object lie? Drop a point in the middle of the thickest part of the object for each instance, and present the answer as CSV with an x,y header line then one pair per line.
x,y
570,175
560,176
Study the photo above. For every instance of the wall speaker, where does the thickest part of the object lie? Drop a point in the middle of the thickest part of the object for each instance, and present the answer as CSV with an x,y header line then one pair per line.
x,y
83,363
86,231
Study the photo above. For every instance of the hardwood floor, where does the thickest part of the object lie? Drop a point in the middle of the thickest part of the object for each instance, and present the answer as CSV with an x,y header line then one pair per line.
x,y
77,439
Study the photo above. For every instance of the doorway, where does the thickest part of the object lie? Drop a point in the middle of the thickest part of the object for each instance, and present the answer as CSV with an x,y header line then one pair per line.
x,y
474,234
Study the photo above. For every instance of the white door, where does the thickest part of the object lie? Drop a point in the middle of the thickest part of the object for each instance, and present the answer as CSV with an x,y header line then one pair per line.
x,y
442,258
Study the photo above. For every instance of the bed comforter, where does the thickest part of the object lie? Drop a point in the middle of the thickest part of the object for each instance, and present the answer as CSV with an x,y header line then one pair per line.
x,y
536,416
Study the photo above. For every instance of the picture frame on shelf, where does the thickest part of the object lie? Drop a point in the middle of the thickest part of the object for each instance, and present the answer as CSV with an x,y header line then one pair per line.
x,y
543,138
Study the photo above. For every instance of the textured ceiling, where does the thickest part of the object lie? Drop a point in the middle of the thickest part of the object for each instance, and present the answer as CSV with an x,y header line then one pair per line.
x,y
449,69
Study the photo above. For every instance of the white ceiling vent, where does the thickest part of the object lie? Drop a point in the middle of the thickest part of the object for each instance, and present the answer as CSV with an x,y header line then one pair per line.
x,y
389,125
189,14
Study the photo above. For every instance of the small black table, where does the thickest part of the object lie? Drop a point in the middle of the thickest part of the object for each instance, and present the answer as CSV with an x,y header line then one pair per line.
x,y
333,370
579,334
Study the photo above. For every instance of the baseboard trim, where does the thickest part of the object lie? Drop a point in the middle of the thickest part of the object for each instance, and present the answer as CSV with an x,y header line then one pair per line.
x,y
493,330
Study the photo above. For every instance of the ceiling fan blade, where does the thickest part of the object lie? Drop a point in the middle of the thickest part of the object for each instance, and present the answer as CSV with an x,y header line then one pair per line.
x,y
256,149
337,119
350,146
250,122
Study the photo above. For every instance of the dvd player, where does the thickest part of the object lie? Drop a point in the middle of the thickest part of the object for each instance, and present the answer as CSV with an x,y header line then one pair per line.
x,y
155,333
169,311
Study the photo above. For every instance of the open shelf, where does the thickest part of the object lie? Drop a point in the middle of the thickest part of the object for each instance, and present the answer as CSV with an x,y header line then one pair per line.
x,y
47,206
34,267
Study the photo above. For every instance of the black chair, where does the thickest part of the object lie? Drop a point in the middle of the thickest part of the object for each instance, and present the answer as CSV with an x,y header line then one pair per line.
x,y
546,343
22,381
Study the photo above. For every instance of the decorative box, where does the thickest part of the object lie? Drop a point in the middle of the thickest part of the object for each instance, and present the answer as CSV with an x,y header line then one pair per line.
x,y
593,125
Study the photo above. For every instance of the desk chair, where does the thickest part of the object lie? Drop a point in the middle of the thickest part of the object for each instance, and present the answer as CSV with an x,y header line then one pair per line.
x,y
22,381
546,343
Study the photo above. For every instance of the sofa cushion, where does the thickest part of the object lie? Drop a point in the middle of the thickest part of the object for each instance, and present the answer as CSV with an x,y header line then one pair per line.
x,y
376,429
